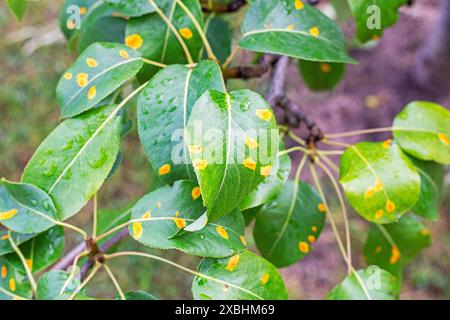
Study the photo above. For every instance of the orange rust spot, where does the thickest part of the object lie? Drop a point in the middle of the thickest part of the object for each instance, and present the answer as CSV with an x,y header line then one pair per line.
x,y
264,279
266,171
378,249
395,255
369,192
200,164
314,31
232,263
379,214
134,41
68,76
83,10
303,247
92,93
29,263
4,237
311,239
444,139
195,148
82,79
137,230
251,143
71,25
314,229
390,206
147,215
299,5
196,193
387,144
264,114
12,284
378,185
376,37
290,27
124,54
243,241
181,223
222,232
249,163
8,214
325,67
425,232
4,272
92,63
186,33
322,207
165,169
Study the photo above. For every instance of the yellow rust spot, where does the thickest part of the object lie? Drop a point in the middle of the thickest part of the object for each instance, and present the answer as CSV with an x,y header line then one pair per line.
x,y
325,67
314,31
186,33
444,139
378,185
376,37
425,232
8,214
314,229
195,148
222,232
159,205
29,263
4,272
124,54
264,114
134,41
266,171
181,223
290,27
378,249
82,79
243,241
299,5
390,206
395,255
387,144
83,10
12,284
177,214
369,192
92,93
165,169
137,230
147,215
303,247
4,237
200,164
92,63
322,207
71,25
68,76
232,263
264,279
196,193
379,214
249,163
251,143
311,239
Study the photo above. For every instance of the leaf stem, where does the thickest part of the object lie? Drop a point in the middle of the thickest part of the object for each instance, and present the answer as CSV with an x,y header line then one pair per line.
x,y
296,138
358,132
329,162
85,282
24,263
94,217
294,149
73,270
115,282
12,295
154,63
230,58
205,41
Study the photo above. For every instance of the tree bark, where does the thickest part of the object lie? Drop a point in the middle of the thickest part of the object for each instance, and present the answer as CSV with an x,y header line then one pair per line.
x,y
433,63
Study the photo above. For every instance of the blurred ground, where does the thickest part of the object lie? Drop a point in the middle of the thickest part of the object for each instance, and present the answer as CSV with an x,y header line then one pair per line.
x,y
28,112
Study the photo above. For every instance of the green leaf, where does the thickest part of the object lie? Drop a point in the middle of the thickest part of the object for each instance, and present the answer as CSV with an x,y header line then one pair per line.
x,y
295,29
73,13
56,285
251,214
170,209
395,245
99,71
379,181
431,184
40,252
18,7
18,238
25,208
372,283
233,142
110,218
12,282
271,186
151,36
287,227
134,8
164,108
75,159
139,295
422,129
220,36
372,17
320,76
245,276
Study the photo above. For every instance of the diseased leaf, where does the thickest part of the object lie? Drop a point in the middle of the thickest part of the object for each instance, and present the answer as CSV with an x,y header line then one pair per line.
x,y
395,245
18,7
372,283
73,13
295,29
25,208
233,142
135,8
164,108
18,238
56,285
287,226
422,129
372,17
75,159
379,181
12,282
40,252
431,184
169,209
100,70
109,219
321,76
152,37
242,277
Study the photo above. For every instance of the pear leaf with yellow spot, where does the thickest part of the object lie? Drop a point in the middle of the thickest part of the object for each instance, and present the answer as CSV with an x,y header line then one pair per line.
x,y
379,180
228,170
75,159
159,226
287,227
164,107
321,76
40,252
18,238
159,42
76,95
51,283
282,27
372,283
73,14
135,8
422,130
245,276
397,244
25,208
373,17
13,284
